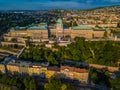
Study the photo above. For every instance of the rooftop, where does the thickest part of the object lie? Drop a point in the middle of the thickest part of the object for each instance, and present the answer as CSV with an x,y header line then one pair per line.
x,y
19,63
28,63
39,64
53,68
101,28
37,28
19,28
8,60
32,27
82,27
73,69
43,23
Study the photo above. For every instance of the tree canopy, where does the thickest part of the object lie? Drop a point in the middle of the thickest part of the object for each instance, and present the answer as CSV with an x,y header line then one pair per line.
x,y
97,52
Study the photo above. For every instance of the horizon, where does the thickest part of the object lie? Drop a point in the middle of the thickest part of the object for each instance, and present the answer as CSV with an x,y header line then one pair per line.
x,y
58,9
55,4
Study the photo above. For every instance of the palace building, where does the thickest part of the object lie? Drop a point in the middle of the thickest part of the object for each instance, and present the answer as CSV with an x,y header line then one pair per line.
x,y
42,31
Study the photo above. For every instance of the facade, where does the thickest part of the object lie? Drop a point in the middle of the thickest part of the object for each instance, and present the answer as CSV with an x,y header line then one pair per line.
x,y
85,31
74,73
42,31
33,31
43,70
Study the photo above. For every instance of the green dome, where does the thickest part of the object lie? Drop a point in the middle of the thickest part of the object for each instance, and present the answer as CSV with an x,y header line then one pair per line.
x,y
60,21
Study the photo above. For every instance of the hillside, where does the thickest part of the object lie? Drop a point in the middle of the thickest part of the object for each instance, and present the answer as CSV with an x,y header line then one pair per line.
x,y
110,9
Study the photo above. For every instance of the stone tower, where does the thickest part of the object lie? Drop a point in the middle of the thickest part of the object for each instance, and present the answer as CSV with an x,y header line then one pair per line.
x,y
59,28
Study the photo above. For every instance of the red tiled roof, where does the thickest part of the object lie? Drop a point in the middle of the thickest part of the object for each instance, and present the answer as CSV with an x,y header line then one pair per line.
x,y
35,64
53,68
73,69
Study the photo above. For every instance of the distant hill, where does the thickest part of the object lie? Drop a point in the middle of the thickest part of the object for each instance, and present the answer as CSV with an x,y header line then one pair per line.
x,y
113,8
105,7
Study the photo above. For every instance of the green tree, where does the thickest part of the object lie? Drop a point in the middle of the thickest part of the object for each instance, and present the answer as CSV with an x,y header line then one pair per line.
x,y
56,84
53,84
52,59
105,34
100,77
115,83
14,39
64,87
27,81
32,85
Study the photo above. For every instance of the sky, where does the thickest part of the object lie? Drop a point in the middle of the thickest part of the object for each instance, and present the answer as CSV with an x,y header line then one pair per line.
x,y
54,4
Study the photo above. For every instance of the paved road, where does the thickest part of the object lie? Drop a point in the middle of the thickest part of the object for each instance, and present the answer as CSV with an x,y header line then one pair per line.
x,y
21,52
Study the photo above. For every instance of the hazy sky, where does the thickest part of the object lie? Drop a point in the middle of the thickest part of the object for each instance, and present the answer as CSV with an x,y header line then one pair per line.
x,y
54,4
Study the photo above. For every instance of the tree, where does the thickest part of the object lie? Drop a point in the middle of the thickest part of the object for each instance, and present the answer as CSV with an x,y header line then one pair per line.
x,y
118,25
47,53
11,81
53,84
105,34
14,40
56,84
74,23
32,85
55,45
100,77
64,87
115,83
52,59
27,81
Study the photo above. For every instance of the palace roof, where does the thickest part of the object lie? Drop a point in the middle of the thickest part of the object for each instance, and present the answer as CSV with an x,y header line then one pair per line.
x,y
37,28
31,27
82,27
19,28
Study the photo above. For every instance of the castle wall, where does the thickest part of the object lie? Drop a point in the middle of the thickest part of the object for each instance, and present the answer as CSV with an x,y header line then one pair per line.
x,y
99,34
18,33
37,34
81,33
